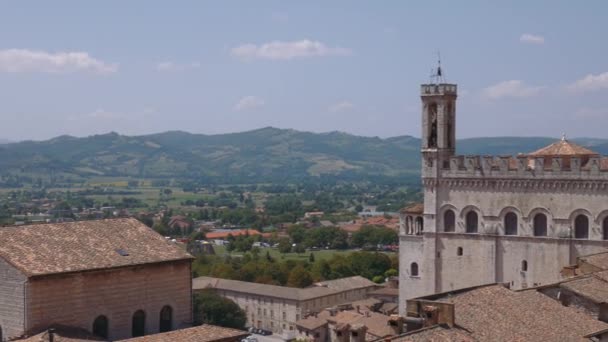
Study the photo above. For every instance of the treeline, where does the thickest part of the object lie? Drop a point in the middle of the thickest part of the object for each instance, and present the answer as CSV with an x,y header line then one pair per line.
x,y
263,268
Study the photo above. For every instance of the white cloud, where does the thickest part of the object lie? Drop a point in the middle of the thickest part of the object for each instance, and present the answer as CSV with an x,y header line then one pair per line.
x,y
590,82
21,60
512,88
171,66
341,106
249,102
278,50
532,39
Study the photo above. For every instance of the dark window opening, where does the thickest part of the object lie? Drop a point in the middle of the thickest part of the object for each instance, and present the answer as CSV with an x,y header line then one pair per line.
x,y
472,222
1,339
419,225
138,325
510,224
581,227
605,228
414,269
540,225
459,251
449,221
100,327
432,141
166,319
524,265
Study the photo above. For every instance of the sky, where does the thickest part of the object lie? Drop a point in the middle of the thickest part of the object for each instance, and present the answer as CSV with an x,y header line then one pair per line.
x,y
523,68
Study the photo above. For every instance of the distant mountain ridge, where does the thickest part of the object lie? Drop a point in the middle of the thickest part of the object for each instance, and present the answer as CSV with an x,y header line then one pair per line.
x,y
262,155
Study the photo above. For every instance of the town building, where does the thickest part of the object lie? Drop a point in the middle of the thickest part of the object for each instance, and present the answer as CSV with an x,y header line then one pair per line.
x,y
115,278
353,323
278,308
495,313
497,219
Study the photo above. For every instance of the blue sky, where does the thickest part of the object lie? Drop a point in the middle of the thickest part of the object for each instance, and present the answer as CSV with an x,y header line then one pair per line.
x,y
523,68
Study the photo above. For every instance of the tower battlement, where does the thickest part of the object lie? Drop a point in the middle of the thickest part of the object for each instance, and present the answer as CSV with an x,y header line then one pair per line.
x,y
525,166
438,89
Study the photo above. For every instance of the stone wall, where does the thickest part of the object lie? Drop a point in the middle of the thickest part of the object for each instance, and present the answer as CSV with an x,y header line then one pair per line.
x,y
12,301
77,299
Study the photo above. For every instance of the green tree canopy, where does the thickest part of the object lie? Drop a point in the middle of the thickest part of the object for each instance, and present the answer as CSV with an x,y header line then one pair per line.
x,y
211,308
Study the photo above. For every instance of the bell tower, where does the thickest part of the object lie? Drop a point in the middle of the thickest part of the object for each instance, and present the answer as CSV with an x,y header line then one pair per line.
x,y
438,121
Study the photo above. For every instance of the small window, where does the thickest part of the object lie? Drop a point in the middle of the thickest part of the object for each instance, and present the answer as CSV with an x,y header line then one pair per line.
x,y
581,227
605,228
511,224
540,225
459,251
472,222
414,269
449,221
524,265
100,327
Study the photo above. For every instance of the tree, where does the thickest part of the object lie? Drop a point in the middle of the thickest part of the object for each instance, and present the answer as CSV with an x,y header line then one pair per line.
x,y
211,308
299,248
299,277
284,246
311,258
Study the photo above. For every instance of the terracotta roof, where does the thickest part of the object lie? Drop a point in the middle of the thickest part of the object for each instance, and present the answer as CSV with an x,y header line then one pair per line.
x,y
491,311
313,322
202,333
599,260
417,208
436,333
235,233
386,291
349,283
63,334
377,324
42,249
563,147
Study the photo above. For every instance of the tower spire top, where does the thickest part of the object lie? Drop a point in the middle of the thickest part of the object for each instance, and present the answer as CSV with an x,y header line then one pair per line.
x,y
437,74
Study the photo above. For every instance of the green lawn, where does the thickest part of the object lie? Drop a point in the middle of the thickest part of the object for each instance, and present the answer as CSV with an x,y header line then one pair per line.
x,y
319,255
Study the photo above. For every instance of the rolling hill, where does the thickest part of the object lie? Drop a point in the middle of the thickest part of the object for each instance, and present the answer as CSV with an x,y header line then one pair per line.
x,y
262,155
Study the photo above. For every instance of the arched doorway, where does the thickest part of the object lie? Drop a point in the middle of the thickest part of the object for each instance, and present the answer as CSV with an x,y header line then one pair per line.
x,y
166,319
472,221
138,324
449,221
540,225
511,224
581,227
100,327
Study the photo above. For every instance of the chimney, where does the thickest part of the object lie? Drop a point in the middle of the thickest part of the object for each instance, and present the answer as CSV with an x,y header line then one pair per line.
x,y
358,309
396,324
52,335
358,332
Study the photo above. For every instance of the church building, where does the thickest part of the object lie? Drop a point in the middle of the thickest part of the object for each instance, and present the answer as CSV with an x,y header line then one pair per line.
x,y
488,219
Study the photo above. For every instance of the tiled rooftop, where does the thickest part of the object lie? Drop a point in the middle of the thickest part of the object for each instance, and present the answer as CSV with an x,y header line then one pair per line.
x,y
202,333
494,313
417,208
62,334
282,292
437,333
563,148
43,249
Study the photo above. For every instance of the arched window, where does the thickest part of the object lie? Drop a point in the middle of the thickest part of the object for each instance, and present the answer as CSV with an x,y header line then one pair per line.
x,y
414,269
419,225
472,222
138,324
1,339
449,221
540,225
166,319
459,251
100,327
605,228
581,227
524,265
511,224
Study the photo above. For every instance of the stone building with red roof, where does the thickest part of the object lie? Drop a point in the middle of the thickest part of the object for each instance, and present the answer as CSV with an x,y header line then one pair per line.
x,y
497,219
113,278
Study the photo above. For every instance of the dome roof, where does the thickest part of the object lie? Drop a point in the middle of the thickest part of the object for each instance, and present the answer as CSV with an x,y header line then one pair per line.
x,y
563,148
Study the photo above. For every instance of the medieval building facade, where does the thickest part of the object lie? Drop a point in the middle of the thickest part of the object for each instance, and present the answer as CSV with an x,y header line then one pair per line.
x,y
487,219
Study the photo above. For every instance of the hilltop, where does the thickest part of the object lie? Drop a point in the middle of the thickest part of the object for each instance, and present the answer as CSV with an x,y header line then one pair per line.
x,y
262,155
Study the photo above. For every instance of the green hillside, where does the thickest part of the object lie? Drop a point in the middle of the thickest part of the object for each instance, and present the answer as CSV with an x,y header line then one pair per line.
x,y
263,155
